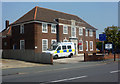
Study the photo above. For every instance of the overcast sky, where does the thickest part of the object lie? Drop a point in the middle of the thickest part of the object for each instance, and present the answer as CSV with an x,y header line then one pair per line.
x,y
98,14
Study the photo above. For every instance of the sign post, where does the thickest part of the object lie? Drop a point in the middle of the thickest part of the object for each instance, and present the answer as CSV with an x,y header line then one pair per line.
x,y
102,37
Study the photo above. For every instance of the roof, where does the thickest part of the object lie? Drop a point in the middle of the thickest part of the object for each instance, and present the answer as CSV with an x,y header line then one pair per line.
x,y
6,32
48,15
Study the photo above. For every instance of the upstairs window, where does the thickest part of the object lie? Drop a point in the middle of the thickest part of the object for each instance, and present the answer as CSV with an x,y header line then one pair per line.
x,y
53,28
65,29
44,28
73,32
86,32
80,31
91,32
21,29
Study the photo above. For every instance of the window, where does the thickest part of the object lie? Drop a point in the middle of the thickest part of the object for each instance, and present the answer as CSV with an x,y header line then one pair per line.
x,y
73,32
64,47
53,28
21,29
91,45
81,46
72,22
86,32
44,28
86,45
65,29
53,41
5,43
22,44
44,44
59,48
80,31
90,32
69,47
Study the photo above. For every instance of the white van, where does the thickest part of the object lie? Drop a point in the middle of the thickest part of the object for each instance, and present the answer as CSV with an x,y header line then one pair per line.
x,y
62,49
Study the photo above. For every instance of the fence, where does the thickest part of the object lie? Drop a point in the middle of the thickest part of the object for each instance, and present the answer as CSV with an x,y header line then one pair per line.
x,y
28,55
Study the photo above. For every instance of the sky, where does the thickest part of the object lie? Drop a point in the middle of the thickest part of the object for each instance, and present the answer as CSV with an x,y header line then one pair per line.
x,y
98,14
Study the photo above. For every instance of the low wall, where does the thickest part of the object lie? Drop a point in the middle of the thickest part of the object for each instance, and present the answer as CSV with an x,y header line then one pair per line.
x,y
93,57
28,55
111,56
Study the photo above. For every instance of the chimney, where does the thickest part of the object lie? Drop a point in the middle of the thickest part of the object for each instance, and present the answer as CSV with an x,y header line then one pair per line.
x,y
6,24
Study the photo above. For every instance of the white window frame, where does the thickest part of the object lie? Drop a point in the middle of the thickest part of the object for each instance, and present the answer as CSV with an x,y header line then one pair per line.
x,y
92,46
46,28
87,46
91,32
46,44
53,40
81,45
22,29
20,44
52,28
72,32
65,26
86,32
80,31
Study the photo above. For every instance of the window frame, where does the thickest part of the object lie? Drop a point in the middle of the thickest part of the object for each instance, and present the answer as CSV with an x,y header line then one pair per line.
x,y
87,46
92,46
53,28
53,40
64,29
21,46
46,44
22,29
86,32
80,33
46,28
90,32
81,45
72,32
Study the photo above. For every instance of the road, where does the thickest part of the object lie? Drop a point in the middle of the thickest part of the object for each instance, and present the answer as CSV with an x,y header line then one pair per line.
x,y
76,72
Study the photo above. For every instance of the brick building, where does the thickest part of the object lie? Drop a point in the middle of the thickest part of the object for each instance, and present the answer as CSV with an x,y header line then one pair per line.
x,y
40,27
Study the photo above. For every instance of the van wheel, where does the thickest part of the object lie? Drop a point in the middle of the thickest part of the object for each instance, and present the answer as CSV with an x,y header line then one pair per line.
x,y
70,55
56,56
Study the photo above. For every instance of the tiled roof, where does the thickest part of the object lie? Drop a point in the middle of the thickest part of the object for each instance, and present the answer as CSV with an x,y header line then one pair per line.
x,y
48,15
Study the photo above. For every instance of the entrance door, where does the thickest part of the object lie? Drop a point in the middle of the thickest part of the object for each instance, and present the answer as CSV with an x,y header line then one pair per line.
x,y
76,46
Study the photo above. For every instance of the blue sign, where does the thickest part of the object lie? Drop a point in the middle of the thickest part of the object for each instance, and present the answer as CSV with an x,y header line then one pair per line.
x,y
102,37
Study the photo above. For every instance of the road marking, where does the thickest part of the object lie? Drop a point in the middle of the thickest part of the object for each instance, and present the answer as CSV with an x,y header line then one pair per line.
x,y
69,79
115,71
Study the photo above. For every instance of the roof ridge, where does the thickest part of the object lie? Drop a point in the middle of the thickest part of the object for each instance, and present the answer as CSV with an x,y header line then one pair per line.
x,y
56,11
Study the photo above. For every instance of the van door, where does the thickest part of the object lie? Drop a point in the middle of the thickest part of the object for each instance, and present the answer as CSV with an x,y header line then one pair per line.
x,y
64,48
59,51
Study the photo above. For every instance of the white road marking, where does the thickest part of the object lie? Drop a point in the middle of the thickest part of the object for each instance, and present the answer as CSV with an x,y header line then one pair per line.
x,y
115,71
69,79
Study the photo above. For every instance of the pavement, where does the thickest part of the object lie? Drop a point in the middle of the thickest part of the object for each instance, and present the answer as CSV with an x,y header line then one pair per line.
x,y
11,63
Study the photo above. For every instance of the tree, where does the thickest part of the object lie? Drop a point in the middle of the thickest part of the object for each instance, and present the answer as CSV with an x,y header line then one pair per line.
x,y
113,36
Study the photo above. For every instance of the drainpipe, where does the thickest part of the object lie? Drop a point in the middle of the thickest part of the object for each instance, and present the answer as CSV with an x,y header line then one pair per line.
x,y
57,30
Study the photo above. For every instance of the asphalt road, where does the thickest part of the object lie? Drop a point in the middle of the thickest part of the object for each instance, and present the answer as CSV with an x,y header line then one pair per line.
x,y
77,72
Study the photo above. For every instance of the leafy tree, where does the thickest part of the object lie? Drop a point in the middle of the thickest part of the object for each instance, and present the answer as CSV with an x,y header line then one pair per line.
x,y
113,36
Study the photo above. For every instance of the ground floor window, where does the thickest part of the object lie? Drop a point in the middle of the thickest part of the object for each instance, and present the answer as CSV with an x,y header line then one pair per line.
x,y
81,45
22,44
53,41
44,44
91,45
86,45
